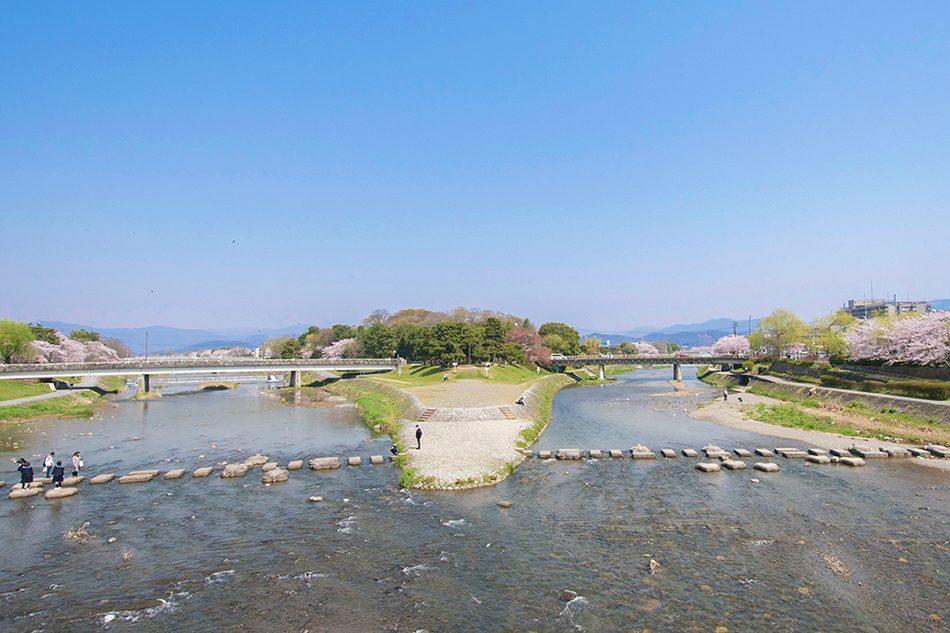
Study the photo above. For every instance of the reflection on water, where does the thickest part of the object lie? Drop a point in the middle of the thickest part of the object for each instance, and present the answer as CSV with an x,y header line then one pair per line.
x,y
811,548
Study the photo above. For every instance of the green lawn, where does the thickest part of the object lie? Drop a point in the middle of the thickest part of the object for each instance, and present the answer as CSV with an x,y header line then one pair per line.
x,y
417,375
65,406
12,389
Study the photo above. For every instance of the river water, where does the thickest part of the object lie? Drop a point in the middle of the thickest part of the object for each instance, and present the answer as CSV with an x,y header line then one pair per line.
x,y
813,548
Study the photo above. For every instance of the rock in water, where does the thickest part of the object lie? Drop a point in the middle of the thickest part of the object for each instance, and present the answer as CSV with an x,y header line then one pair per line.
x,y
59,493
234,470
268,466
23,493
297,464
177,473
204,471
275,475
324,463
567,595
101,479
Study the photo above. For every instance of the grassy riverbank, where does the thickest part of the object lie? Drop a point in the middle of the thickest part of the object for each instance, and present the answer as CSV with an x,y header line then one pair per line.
x,y
67,406
13,389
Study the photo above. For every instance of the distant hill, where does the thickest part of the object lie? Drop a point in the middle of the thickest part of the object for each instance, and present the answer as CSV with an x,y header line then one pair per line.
x,y
691,334
940,304
171,339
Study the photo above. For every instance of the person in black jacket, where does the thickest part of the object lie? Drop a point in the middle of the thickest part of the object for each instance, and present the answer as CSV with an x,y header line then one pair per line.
x,y
58,474
418,438
26,473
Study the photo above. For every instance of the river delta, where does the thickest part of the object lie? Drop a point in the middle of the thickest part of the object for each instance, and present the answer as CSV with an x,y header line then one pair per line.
x,y
639,545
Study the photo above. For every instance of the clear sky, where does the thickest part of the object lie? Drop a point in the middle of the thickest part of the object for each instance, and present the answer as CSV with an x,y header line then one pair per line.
x,y
609,165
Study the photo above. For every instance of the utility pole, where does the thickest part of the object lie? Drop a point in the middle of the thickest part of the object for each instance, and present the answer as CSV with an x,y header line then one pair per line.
x,y
735,327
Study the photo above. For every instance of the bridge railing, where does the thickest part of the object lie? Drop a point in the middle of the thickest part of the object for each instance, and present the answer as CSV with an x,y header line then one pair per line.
x,y
647,359
157,365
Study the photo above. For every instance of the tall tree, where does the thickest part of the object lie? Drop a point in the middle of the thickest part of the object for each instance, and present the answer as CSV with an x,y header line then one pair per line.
x,y
831,330
569,337
777,332
84,336
15,340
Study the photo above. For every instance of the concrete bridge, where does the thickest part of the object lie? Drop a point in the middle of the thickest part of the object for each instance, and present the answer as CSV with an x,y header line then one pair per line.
x,y
147,368
676,360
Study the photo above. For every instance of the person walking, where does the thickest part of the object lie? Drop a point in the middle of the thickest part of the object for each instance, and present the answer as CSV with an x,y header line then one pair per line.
x,y
48,463
58,474
418,438
77,463
26,473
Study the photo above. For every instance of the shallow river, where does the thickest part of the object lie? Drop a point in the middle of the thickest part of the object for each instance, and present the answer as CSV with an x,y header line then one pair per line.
x,y
813,548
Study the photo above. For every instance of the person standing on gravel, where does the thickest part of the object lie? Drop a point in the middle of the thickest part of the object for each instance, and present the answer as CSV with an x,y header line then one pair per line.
x,y
418,438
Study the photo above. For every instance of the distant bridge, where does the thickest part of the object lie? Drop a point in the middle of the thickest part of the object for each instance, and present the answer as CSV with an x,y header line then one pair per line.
x,y
676,360
147,368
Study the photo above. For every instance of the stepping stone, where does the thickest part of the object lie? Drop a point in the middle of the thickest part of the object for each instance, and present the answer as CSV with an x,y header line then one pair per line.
x,y
570,453
268,466
817,451
596,454
326,463
615,453
204,471
154,473
851,461
544,454
840,452
178,473
794,454
741,452
234,470
868,452
782,451
643,454
707,467
764,452
59,493
921,452
37,483
257,460
766,467
897,452
133,478
668,452
690,452
275,475
354,461
101,479
818,459
528,454
376,460
733,465
71,481
711,448
297,464
938,450
23,493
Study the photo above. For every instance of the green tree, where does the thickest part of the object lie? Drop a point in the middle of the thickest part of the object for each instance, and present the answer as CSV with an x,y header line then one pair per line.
x,y
626,347
85,336
830,330
591,345
343,331
302,339
15,338
512,353
777,332
47,334
290,348
377,341
569,336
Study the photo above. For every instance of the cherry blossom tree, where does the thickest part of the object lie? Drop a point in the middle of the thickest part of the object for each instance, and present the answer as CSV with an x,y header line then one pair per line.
x,y
914,340
71,351
730,344
532,344
334,351
646,349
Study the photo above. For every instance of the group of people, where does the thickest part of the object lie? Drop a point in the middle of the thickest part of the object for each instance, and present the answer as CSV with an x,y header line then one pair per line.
x,y
52,468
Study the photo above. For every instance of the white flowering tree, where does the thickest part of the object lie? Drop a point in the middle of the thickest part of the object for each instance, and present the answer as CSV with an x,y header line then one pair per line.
x,y
914,339
731,344
645,349
334,351
72,351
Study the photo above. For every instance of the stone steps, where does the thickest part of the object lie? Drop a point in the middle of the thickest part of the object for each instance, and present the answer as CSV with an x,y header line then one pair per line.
x,y
508,413
428,413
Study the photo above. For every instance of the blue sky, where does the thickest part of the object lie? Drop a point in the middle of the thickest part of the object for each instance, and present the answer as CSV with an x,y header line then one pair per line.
x,y
609,165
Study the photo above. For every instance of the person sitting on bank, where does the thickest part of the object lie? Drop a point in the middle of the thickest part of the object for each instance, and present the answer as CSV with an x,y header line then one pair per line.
x,y
394,449
58,473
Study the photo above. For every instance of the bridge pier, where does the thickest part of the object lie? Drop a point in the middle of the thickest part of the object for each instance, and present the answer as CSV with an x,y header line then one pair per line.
x,y
294,379
601,374
144,383
677,372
